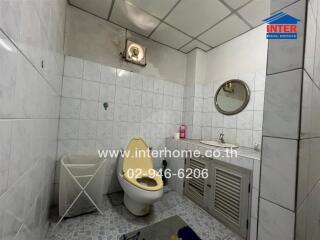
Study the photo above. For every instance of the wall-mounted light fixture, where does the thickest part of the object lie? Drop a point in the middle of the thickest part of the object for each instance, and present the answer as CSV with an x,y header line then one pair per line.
x,y
135,53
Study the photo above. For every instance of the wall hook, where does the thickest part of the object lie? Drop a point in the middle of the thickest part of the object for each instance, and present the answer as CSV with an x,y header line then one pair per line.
x,y
105,105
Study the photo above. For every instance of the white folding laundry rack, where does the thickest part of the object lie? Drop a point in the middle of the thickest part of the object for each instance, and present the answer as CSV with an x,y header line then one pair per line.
x,y
81,185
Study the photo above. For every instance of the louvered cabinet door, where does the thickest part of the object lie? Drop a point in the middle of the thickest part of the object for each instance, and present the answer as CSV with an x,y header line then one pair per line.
x,y
229,196
196,188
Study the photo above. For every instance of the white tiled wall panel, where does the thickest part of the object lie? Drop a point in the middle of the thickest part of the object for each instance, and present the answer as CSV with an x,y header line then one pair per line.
x,y
138,106
308,195
30,89
243,128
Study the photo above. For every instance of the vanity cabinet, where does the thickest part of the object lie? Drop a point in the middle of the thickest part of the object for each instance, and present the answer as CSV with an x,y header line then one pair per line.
x,y
225,194
197,188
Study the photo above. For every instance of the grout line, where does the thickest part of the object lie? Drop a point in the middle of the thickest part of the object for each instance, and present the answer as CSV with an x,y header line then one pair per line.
x,y
309,193
316,85
288,209
31,118
111,9
284,138
235,12
165,16
285,71
62,83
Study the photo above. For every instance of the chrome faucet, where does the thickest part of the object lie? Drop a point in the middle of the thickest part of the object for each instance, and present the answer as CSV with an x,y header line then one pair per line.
x,y
221,138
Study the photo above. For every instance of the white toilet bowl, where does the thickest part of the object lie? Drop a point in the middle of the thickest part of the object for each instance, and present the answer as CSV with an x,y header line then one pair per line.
x,y
142,191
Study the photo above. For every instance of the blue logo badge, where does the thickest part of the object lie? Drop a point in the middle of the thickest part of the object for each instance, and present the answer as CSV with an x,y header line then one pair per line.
x,y
282,26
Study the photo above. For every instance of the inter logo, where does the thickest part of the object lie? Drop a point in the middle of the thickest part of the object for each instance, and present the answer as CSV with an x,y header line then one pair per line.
x,y
282,26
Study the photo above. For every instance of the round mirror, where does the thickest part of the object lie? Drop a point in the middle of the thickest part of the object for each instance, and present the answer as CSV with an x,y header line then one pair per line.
x,y
232,97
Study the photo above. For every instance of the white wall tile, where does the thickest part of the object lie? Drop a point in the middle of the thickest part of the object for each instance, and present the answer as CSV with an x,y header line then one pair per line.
x,y
87,129
71,87
258,100
259,81
147,99
147,84
281,111
107,93
136,81
89,109
253,229
244,138
90,90
135,98
121,112
106,114
134,114
158,101
230,121
245,120
68,129
108,74
3,182
5,144
91,71
217,120
284,55
73,67
70,108
158,86
123,78
257,138
309,55
122,95
257,120
278,168
230,135
275,222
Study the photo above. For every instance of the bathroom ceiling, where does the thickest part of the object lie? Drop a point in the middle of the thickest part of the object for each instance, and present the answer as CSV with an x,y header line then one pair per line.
x,y
182,24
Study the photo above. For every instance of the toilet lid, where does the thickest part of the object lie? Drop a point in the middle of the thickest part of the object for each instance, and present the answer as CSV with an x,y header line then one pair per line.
x,y
136,156
137,165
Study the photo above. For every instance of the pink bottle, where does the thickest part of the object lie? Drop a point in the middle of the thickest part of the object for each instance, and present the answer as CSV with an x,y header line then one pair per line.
x,y
183,131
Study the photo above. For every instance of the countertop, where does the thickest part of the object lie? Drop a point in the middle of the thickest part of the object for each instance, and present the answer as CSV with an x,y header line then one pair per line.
x,y
241,151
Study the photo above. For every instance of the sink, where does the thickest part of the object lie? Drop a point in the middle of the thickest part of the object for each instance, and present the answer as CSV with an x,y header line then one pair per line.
x,y
218,144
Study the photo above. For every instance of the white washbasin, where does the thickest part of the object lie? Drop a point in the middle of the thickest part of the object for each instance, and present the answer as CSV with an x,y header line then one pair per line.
x,y
218,144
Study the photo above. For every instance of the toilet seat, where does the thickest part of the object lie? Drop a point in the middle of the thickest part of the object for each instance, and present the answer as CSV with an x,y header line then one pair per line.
x,y
140,165
142,181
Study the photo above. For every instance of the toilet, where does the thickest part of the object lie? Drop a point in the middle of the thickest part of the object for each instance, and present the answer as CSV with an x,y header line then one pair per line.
x,y
136,176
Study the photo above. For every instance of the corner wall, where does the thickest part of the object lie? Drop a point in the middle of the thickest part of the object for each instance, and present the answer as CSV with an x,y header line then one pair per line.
x,y
289,197
241,58
308,195
31,56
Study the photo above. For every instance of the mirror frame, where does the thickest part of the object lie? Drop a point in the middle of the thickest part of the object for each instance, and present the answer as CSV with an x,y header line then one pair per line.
x,y
244,105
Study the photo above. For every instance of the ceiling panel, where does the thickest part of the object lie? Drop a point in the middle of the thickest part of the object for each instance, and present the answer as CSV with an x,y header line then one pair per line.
x,y
256,11
226,30
194,17
158,8
277,5
170,36
186,18
128,16
236,3
194,44
97,7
